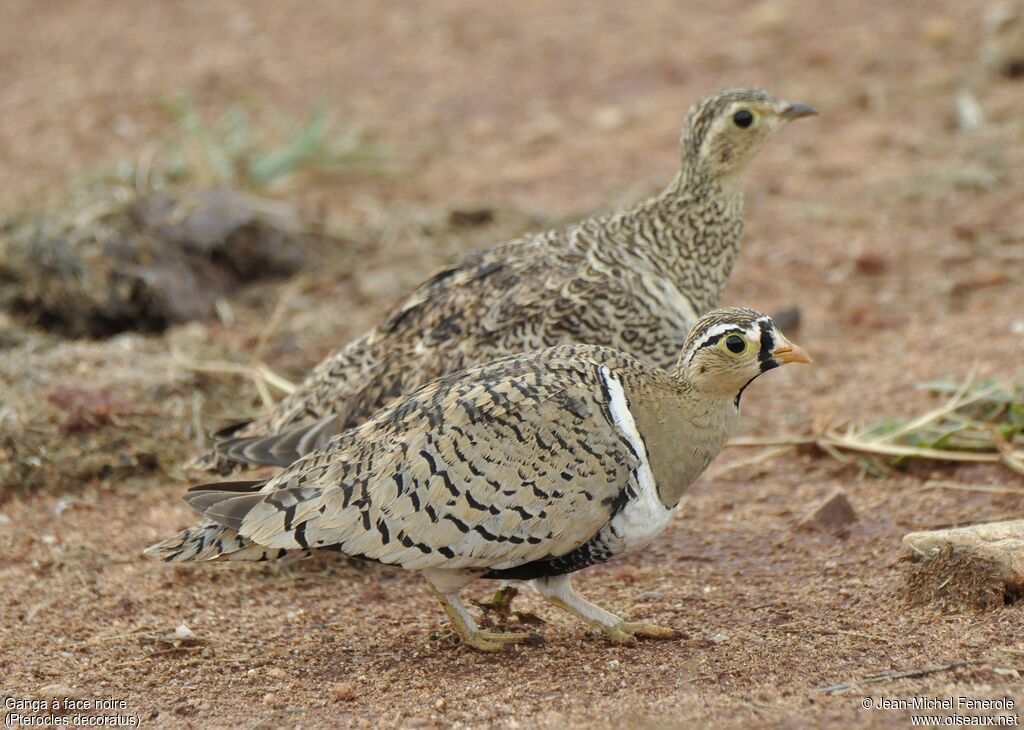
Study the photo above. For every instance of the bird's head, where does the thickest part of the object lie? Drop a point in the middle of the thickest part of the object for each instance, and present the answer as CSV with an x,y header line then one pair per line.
x,y
728,348
724,131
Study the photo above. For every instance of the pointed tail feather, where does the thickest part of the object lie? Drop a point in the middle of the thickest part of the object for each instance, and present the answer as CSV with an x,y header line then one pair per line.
x,y
280,449
277,449
209,541
217,538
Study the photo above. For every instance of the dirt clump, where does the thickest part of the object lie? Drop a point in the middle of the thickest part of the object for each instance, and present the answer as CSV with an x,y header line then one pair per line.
x,y
109,260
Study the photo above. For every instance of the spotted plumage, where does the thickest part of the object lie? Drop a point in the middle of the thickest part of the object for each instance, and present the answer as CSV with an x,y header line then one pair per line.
x,y
528,467
634,280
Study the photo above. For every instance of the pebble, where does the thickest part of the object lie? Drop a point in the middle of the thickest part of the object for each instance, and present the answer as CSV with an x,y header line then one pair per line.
x,y
613,664
833,513
344,692
649,596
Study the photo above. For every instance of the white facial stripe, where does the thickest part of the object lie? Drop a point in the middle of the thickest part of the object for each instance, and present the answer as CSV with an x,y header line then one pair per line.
x,y
715,331
753,333
643,517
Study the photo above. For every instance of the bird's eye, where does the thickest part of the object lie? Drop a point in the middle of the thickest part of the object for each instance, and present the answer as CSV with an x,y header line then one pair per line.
x,y
736,344
743,118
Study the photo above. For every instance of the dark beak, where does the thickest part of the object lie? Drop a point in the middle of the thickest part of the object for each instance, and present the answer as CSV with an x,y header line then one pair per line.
x,y
796,111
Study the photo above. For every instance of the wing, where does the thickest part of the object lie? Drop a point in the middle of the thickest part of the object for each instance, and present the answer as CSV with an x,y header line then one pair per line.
x,y
514,298
516,461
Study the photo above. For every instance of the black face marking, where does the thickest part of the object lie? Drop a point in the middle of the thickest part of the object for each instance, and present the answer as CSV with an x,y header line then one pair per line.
x,y
764,356
767,347
714,340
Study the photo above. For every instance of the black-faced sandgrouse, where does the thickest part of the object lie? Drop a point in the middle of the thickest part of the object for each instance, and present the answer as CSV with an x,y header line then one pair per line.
x,y
529,467
635,280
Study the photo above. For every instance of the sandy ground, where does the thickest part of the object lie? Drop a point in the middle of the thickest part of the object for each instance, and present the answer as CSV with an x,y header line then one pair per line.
x,y
900,238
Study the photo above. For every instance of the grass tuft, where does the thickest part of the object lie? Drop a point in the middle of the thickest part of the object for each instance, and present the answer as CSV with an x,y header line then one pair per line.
x,y
256,152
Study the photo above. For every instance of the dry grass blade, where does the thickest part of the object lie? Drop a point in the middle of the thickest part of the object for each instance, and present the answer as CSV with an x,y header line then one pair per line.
x,y
988,488
259,372
979,423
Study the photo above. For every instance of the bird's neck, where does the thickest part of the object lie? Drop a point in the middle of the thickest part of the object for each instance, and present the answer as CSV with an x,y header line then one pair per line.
x,y
689,234
683,430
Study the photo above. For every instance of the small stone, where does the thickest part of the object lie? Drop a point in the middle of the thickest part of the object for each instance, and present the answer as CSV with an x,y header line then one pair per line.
x,y
938,30
277,673
719,638
649,596
440,705
613,664
184,632
268,698
834,513
609,118
343,692
60,691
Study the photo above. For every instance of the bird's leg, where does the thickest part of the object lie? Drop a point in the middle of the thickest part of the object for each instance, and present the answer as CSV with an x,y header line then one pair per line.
x,y
465,626
559,591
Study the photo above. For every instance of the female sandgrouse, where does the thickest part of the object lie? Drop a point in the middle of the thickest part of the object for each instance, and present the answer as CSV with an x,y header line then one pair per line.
x,y
634,280
529,467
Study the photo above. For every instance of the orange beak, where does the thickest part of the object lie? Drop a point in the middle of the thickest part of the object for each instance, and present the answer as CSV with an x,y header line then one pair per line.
x,y
789,352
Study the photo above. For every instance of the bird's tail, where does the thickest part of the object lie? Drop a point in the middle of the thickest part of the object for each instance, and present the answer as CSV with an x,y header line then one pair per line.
x,y
208,541
218,539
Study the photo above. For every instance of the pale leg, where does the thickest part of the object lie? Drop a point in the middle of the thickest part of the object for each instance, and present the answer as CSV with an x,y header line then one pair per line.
x,y
559,591
446,585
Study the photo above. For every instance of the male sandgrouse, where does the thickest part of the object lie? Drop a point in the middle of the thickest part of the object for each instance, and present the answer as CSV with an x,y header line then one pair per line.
x,y
634,280
529,467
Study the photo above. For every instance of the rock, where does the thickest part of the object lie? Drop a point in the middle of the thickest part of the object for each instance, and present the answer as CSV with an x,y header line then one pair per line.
x,y
981,566
1002,543
343,692
788,319
938,30
108,260
648,596
834,513
1002,52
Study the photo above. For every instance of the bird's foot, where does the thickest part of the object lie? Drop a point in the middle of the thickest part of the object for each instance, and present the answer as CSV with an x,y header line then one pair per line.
x,y
484,640
625,632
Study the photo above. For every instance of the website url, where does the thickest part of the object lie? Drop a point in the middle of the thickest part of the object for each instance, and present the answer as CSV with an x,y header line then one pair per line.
x,y
964,720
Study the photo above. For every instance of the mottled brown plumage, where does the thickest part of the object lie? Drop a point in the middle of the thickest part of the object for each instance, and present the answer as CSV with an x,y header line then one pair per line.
x,y
634,280
529,467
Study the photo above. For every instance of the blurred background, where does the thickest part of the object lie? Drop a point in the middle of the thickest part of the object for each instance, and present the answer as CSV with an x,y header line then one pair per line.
x,y
200,200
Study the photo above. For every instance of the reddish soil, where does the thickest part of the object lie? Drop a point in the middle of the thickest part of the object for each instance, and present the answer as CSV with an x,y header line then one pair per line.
x,y
900,238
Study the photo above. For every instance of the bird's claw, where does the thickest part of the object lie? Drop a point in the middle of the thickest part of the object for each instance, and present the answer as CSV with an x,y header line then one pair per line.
x,y
626,632
497,641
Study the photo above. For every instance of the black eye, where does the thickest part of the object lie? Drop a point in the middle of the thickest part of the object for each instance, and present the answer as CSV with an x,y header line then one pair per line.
x,y
743,118
736,344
